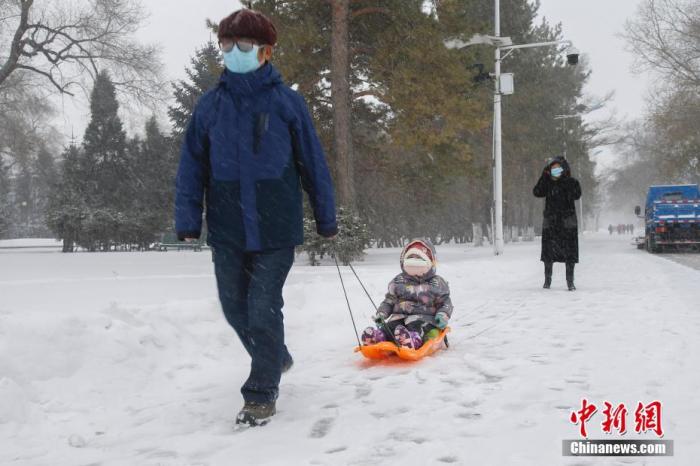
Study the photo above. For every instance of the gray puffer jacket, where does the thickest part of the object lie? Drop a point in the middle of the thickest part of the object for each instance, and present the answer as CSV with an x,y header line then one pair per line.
x,y
416,298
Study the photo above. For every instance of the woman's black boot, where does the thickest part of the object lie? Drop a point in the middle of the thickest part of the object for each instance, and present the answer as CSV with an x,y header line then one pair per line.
x,y
547,275
570,276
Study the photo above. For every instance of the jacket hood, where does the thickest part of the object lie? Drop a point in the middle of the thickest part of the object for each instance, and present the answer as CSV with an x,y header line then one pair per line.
x,y
428,245
264,77
561,161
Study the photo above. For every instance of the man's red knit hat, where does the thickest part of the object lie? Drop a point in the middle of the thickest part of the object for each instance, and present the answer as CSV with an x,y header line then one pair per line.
x,y
250,24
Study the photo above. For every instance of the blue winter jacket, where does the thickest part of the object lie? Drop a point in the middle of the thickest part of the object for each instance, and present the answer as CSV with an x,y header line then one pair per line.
x,y
250,146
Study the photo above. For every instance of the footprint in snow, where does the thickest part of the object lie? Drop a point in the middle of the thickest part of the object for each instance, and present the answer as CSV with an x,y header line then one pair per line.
x,y
469,404
407,437
362,391
491,374
451,381
469,415
321,427
202,388
539,359
162,454
336,450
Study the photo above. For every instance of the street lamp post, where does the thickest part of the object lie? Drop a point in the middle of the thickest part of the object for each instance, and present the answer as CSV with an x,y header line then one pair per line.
x,y
501,44
497,145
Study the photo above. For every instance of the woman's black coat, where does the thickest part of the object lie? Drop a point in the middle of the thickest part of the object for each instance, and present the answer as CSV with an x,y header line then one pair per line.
x,y
560,224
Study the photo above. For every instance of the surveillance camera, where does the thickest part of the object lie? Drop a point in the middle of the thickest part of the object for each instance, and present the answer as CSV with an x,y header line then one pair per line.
x,y
572,54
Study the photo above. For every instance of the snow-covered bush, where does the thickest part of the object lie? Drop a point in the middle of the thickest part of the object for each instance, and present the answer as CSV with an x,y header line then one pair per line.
x,y
352,240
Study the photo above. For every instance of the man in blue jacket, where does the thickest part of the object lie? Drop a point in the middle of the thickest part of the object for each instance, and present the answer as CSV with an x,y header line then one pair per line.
x,y
249,148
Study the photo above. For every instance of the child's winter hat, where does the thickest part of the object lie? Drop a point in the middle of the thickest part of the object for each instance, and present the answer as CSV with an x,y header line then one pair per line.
x,y
250,24
418,258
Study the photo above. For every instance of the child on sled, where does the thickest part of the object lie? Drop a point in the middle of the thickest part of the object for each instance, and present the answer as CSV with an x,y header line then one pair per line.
x,y
417,305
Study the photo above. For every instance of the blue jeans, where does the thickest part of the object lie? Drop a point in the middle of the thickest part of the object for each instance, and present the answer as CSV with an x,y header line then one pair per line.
x,y
250,290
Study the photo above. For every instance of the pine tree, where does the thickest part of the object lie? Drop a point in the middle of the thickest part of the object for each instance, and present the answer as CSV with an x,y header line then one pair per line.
x,y
202,76
154,164
104,145
45,176
105,166
66,209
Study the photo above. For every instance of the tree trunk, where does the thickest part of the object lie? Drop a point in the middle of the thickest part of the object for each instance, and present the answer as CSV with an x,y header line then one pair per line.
x,y
342,108
67,245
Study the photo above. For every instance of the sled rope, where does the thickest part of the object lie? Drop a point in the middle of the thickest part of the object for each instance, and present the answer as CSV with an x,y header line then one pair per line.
x,y
363,287
347,300
383,324
491,327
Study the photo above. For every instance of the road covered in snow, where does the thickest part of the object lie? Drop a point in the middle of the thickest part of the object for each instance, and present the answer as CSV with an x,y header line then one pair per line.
x,y
687,258
125,359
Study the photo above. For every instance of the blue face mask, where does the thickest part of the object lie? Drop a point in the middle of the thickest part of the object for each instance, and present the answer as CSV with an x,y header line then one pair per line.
x,y
557,172
242,62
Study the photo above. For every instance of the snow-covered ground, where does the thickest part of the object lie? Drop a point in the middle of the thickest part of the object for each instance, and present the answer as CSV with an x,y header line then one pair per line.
x,y
125,359
688,258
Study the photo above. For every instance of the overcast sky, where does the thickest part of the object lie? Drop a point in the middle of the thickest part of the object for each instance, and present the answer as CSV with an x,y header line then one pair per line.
x,y
593,25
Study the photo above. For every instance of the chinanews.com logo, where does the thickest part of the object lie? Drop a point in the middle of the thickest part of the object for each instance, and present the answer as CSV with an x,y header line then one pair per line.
x,y
647,422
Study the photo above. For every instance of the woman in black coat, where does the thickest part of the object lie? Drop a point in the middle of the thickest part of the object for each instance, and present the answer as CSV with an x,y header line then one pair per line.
x,y
560,224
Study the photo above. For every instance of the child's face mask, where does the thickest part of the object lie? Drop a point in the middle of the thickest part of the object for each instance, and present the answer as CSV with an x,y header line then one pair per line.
x,y
417,263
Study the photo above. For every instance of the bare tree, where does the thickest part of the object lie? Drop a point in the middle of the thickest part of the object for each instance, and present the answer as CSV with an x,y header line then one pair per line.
x,y
665,36
67,44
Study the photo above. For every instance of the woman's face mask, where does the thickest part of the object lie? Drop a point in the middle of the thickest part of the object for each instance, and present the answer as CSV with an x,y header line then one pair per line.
x,y
557,172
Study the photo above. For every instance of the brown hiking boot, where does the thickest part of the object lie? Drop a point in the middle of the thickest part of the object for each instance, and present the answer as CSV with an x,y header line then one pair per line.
x,y
256,414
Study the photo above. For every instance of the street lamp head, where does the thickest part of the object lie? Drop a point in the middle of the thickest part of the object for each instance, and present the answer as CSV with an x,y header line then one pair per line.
x,y
572,54
478,39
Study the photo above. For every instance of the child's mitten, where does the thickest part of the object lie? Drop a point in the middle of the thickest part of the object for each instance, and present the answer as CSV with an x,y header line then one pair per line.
x,y
441,320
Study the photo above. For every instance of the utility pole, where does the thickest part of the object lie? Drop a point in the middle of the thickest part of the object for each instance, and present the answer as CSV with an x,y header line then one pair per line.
x,y
497,145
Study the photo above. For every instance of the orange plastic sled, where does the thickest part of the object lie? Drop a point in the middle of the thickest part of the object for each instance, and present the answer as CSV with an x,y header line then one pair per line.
x,y
386,349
